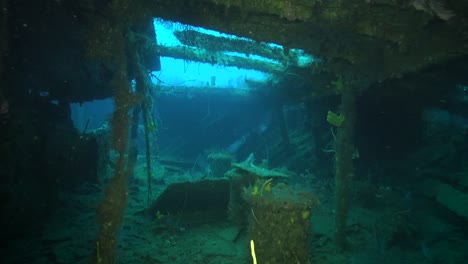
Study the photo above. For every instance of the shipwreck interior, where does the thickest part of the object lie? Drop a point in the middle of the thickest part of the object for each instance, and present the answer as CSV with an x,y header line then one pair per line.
x,y
230,131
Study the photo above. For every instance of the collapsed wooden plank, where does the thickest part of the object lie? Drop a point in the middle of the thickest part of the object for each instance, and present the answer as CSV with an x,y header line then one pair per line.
x,y
245,46
219,58
451,198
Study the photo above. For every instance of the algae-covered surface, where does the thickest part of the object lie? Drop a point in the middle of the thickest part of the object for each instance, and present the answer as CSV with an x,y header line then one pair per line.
x,y
144,238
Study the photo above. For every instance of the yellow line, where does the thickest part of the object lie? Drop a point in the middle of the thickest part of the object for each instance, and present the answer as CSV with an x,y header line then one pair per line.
x,y
252,251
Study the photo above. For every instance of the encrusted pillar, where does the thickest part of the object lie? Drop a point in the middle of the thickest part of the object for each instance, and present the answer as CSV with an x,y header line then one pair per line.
x,y
279,222
344,163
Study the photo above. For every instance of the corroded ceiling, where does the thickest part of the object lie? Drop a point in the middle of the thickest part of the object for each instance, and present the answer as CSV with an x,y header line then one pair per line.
x,y
383,38
60,44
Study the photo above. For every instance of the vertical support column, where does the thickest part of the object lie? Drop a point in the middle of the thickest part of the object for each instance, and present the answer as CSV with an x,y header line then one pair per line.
x,y
111,210
142,86
344,163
